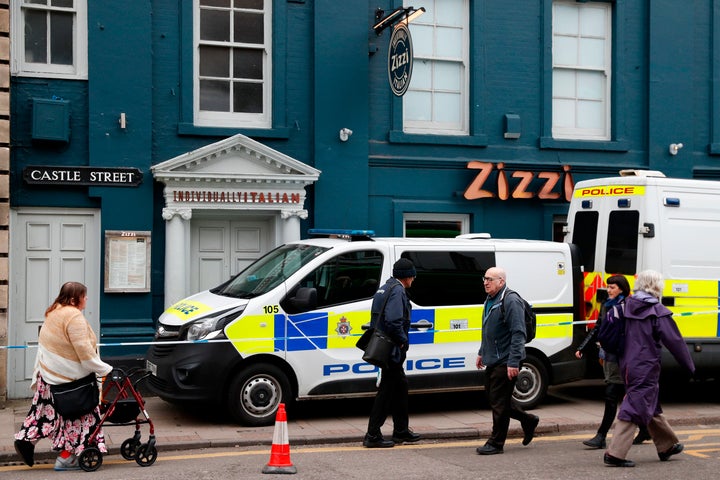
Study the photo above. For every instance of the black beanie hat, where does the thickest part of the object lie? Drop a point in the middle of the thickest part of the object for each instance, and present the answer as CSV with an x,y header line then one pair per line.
x,y
404,268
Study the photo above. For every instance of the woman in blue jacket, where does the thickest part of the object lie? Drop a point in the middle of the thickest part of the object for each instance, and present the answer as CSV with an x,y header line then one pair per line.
x,y
618,289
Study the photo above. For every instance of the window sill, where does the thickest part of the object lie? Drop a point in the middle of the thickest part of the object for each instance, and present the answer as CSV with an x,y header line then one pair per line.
x,y
604,145
395,136
192,129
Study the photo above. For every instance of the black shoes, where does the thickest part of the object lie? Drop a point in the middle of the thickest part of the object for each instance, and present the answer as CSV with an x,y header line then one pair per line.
x,y
674,450
641,437
529,427
598,441
377,441
406,436
488,449
26,450
617,462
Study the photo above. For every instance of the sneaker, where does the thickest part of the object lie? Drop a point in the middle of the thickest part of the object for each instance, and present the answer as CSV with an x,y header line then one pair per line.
x,y
65,464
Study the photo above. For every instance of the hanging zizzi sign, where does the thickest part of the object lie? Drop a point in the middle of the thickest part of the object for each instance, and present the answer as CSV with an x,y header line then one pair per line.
x,y
400,59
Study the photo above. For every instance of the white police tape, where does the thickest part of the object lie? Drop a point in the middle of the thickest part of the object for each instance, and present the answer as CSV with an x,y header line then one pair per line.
x,y
313,337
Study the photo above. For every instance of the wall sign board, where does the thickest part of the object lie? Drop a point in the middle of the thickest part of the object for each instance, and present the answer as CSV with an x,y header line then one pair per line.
x,y
83,176
127,261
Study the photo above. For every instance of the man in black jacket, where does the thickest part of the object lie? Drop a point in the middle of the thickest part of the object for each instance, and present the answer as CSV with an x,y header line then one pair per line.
x,y
501,352
392,395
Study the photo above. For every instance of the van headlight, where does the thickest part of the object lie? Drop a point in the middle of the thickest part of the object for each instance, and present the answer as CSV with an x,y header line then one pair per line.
x,y
210,327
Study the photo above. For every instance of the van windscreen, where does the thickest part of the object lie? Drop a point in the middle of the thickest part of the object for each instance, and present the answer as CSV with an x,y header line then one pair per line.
x,y
269,271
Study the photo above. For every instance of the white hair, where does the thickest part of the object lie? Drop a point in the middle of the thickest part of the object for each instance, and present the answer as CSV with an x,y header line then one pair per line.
x,y
651,282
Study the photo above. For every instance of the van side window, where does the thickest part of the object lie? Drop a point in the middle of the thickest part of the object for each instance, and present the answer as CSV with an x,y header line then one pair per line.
x,y
584,235
622,242
449,278
349,277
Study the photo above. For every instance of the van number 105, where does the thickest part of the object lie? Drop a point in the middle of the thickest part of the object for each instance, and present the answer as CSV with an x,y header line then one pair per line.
x,y
271,309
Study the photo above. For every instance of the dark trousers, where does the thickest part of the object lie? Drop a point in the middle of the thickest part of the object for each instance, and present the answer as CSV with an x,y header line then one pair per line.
x,y
499,389
614,393
391,398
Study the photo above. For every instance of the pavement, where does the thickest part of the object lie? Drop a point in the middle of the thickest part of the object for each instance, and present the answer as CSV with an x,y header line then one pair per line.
x,y
575,408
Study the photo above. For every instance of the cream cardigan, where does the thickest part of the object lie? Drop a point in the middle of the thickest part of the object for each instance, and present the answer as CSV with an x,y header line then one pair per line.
x,y
67,348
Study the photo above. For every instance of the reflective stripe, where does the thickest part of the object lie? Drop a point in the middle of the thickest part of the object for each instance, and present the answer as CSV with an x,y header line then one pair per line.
x,y
695,308
187,309
696,305
318,331
258,330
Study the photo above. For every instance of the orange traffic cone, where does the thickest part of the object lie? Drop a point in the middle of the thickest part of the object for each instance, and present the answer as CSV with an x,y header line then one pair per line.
x,y
280,453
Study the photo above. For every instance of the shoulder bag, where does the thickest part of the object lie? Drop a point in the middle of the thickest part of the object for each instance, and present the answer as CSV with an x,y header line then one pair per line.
x,y
77,398
379,346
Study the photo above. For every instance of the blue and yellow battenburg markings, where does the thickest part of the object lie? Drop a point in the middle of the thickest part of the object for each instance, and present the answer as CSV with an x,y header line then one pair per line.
x,y
187,310
267,333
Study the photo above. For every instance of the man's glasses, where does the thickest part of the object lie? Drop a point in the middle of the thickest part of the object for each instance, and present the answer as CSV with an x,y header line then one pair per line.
x,y
490,279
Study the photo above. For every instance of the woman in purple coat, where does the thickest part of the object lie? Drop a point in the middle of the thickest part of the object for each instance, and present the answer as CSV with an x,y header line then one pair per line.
x,y
648,323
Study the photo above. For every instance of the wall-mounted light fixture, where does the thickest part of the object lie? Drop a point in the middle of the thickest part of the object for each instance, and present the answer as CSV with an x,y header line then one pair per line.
x,y
406,14
345,133
674,147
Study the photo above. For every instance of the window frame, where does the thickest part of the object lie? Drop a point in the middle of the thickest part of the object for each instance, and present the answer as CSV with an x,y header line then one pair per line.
x,y
575,132
205,118
18,66
278,124
475,135
437,128
618,129
463,218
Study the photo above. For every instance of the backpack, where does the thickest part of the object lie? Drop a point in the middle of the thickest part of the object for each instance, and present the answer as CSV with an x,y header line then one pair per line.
x,y
528,316
611,334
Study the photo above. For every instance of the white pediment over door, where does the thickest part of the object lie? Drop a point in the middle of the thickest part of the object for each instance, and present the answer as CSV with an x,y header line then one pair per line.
x,y
237,172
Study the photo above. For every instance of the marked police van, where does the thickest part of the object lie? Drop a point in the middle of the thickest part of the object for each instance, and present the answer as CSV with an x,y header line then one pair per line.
x,y
642,220
285,328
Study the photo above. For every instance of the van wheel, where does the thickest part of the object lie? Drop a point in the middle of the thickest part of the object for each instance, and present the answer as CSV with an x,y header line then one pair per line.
x,y
532,383
255,394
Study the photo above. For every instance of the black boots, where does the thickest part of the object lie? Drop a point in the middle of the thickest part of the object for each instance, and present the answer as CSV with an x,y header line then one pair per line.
x,y
598,441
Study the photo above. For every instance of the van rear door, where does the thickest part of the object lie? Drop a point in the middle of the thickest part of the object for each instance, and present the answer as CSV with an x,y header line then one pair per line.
x,y
607,223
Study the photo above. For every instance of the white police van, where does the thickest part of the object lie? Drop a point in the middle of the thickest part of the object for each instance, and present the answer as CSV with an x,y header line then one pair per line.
x,y
643,220
285,328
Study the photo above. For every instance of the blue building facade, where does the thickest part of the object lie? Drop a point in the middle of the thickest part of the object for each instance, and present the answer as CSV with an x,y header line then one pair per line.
x,y
251,121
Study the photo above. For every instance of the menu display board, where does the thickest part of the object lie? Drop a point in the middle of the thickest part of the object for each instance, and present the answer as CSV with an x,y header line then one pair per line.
x,y
127,261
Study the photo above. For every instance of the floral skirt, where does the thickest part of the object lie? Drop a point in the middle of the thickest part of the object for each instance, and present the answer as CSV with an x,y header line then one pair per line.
x,y
43,421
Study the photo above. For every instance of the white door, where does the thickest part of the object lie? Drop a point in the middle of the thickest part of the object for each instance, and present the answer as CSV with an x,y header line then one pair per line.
x,y
48,248
222,248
